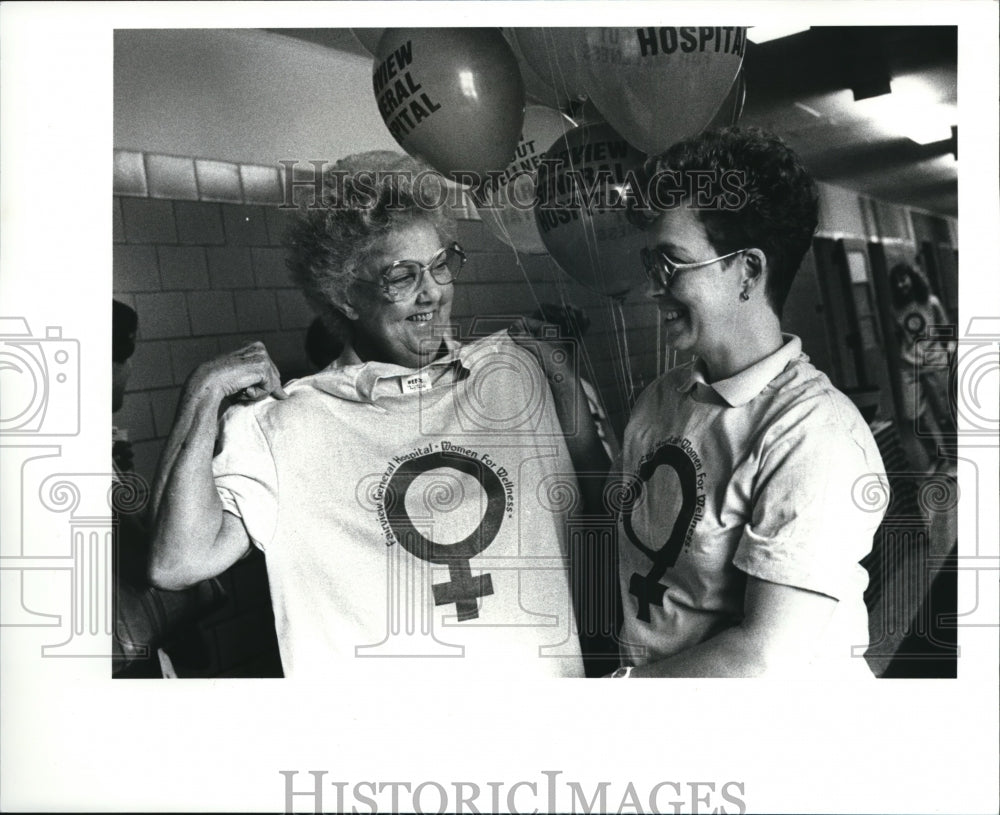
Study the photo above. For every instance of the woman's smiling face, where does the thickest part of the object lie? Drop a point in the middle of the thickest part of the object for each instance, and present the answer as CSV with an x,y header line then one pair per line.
x,y
408,332
700,308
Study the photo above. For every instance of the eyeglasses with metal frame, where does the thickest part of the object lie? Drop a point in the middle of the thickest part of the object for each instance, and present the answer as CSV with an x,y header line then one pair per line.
x,y
660,269
402,278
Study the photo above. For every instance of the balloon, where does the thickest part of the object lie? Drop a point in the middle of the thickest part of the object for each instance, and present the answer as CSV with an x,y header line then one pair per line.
x,y
583,112
536,89
656,86
729,112
589,235
550,55
506,206
451,96
368,37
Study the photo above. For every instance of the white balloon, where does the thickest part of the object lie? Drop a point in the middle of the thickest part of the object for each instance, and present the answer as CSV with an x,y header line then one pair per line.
x,y
506,207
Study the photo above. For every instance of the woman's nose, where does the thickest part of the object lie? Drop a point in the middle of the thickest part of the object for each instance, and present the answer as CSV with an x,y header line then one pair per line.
x,y
656,288
430,289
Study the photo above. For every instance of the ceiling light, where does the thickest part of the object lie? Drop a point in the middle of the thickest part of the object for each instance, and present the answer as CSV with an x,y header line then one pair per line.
x,y
765,33
911,113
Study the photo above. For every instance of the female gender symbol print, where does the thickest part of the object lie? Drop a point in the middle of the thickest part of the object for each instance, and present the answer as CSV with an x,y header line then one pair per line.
x,y
915,325
462,588
648,589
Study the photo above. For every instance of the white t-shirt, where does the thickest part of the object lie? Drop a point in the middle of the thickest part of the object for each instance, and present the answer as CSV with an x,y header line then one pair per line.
x,y
916,322
762,474
413,514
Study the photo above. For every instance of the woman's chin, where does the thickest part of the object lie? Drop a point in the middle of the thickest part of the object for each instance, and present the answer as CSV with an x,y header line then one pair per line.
x,y
677,333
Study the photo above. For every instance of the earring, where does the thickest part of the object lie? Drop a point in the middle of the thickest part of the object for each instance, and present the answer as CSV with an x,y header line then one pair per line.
x,y
744,295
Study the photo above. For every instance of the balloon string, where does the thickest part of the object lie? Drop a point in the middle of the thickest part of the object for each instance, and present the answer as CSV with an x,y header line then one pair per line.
x,y
584,353
617,352
630,379
619,348
659,347
587,225
508,238
593,260
628,386
620,329
553,64
622,369
623,385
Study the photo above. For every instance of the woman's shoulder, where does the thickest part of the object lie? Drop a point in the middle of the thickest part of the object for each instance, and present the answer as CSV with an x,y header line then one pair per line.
x,y
666,386
302,393
500,355
802,383
805,401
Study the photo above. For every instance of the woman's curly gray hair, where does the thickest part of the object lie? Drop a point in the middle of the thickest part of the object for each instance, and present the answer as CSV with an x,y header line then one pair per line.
x,y
365,197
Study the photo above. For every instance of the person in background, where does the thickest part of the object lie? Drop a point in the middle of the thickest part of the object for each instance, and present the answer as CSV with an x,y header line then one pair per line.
x,y
124,325
399,464
134,656
739,534
573,322
145,617
924,356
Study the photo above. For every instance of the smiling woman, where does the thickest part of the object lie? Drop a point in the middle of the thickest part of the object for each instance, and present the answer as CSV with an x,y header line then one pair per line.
x,y
379,220
354,481
741,535
399,313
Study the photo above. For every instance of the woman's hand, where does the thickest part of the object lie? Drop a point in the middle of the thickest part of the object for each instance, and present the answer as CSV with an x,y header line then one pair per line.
x,y
192,537
245,375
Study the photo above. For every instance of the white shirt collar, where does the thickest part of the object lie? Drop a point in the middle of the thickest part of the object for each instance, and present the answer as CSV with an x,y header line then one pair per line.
x,y
740,388
350,378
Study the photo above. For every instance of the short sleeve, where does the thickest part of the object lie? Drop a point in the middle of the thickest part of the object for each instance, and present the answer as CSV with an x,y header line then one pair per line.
x,y
245,475
937,310
810,523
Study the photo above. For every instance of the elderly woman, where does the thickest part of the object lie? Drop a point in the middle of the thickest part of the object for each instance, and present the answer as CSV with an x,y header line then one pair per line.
x,y
740,538
408,498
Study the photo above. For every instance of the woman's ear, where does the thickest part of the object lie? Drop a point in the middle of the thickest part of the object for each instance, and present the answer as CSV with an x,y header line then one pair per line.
x,y
755,264
343,304
348,311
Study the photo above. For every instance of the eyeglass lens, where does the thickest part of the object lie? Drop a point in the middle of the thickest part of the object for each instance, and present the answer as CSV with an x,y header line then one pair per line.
x,y
404,276
658,269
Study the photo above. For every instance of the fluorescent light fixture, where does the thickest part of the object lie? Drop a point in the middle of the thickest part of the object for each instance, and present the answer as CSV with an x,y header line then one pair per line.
x,y
923,132
911,112
766,33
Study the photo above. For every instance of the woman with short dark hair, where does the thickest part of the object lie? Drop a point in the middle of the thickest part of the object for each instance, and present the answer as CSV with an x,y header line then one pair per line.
x,y
740,530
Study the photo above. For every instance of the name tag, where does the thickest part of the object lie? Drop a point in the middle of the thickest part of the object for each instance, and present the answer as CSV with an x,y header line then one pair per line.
x,y
417,382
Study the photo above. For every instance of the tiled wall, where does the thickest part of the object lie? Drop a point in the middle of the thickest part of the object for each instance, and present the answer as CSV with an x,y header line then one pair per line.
x,y
198,255
204,277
